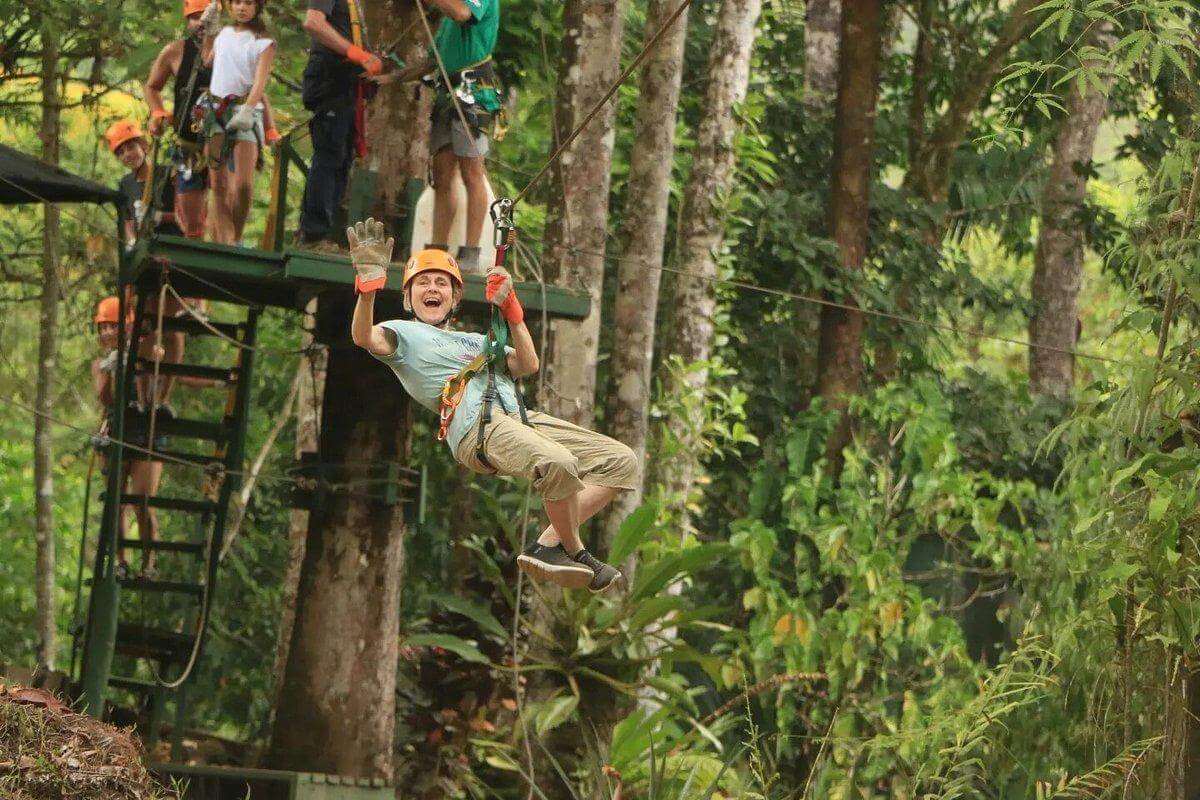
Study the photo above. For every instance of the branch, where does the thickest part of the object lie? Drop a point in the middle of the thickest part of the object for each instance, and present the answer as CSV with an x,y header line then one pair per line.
x,y
978,79
252,479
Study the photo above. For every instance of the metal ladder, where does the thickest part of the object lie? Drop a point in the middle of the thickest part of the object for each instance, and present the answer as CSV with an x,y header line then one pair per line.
x,y
171,644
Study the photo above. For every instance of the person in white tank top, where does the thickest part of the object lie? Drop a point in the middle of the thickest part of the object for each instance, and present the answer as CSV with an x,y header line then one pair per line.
x,y
241,56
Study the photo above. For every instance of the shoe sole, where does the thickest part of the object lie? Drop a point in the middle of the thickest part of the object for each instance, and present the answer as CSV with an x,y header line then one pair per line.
x,y
618,583
564,576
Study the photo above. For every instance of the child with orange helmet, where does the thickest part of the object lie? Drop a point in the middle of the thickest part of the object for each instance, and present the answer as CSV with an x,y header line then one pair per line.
x,y
576,471
127,142
141,475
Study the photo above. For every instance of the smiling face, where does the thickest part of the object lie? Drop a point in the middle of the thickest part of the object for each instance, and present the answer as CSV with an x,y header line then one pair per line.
x,y
433,296
132,154
107,333
243,10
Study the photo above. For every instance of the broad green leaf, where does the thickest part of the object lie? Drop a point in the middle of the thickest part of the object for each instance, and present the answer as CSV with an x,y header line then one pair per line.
x,y
554,713
464,648
472,611
633,532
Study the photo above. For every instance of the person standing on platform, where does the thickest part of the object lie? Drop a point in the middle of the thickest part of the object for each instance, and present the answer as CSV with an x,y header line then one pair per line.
x,y
465,40
336,64
180,60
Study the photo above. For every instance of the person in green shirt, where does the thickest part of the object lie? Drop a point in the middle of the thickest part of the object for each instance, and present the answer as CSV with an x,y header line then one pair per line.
x,y
465,39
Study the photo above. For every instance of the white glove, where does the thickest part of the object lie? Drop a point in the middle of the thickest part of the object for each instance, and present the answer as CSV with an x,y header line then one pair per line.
x,y
370,253
242,119
210,20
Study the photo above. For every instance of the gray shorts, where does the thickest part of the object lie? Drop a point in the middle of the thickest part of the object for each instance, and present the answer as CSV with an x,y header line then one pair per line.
x,y
448,131
254,134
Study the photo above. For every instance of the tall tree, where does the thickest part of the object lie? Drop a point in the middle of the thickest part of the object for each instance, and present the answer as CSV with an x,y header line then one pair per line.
x,y
822,34
577,207
1058,262
702,224
43,448
335,709
647,197
839,347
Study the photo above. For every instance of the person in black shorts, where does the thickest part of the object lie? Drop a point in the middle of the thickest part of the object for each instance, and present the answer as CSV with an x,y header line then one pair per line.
x,y
336,62
180,60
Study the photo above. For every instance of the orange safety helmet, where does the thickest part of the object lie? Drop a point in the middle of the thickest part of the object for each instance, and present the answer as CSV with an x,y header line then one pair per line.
x,y
108,310
194,7
432,261
121,132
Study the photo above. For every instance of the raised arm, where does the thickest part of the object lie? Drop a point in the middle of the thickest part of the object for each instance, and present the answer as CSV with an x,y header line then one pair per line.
x,y
500,293
370,252
375,339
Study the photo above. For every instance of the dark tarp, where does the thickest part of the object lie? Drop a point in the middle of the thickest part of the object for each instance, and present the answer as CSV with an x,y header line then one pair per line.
x,y
25,179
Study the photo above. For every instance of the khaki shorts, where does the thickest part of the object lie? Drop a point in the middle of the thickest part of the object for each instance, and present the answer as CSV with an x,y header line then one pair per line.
x,y
557,456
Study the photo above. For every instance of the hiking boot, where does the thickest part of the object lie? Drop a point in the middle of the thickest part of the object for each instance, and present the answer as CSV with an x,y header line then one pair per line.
x,y
554,565
605,577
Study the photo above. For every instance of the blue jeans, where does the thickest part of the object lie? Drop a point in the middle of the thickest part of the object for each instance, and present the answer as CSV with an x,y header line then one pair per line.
x,y
333,152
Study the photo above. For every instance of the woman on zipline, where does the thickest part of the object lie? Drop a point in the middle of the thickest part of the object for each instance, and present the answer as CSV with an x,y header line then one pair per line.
x,y
576,471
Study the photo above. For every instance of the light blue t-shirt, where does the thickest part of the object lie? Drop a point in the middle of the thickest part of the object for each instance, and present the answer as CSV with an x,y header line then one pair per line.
x,y
426,357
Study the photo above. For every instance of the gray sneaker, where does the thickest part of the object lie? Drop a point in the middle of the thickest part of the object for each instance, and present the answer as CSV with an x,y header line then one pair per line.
x,y
605,577
554,565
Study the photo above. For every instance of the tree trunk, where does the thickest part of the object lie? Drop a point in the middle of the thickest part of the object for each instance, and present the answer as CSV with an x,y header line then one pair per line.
x,y
702,229
308,429
1058,262
577,207
398,116
335,709
646,203
839,347
822,33
336,706
43,449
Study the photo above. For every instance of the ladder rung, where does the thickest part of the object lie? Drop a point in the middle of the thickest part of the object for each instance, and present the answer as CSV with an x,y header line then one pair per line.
x,y
146,642
189,370
193,327
174,455
160,546
193,429
132,684
173,587
170,503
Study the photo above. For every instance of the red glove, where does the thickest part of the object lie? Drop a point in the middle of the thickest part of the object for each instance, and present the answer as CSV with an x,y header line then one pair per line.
x,y
272,137
499,292
158,118
370,63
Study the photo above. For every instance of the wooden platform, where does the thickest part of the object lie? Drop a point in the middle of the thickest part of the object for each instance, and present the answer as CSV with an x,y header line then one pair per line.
x,y
288,278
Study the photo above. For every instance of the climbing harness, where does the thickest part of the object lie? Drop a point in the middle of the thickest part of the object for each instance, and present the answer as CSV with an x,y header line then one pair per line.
x,y
211,116
494,348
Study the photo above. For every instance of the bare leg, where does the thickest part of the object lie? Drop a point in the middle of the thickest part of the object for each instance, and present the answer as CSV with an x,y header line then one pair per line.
x,y
475,179
445,200
144,479
221,178
190,211
241,188
579,508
